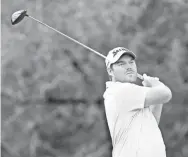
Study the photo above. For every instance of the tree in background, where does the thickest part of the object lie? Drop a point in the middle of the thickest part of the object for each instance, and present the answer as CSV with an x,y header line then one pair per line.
x,y
52,89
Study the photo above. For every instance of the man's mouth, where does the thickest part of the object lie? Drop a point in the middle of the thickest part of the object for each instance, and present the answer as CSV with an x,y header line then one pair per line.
x,y
130,72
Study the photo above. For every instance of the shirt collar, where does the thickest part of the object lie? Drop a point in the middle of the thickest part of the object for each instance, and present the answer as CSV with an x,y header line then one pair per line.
x,y
111,83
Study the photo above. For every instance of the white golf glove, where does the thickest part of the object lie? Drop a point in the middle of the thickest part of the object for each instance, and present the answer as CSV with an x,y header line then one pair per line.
x,y
150,81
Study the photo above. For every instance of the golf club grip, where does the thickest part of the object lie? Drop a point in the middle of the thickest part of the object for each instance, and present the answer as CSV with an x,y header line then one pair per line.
x,y
138,75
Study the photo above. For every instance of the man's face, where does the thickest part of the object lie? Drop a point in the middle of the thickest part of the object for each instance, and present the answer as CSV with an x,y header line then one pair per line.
x,y
124,70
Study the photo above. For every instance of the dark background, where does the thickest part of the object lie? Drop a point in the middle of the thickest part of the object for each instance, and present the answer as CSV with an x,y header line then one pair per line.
x,y
52,88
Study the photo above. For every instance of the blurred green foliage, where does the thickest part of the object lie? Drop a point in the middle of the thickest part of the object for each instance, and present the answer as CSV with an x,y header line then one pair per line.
x,y
52,88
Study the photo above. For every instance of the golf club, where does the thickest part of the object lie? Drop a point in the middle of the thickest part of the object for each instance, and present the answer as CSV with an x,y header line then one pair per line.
x,y
19,16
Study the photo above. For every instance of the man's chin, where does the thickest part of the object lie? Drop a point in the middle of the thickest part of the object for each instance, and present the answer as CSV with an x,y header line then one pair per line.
x,y
131,78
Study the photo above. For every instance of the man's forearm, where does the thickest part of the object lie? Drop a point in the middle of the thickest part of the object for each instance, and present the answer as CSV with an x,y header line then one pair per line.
x,y
161,87
158,94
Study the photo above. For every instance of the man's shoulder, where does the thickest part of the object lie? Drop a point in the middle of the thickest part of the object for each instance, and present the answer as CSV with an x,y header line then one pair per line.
x,y
117,88
111,84
119,85
124,88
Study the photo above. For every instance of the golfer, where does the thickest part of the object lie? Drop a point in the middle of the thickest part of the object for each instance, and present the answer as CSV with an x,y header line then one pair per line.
x,y
133,112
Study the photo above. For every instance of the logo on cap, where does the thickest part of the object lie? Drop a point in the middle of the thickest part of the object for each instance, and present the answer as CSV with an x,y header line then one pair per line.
x,y
119,49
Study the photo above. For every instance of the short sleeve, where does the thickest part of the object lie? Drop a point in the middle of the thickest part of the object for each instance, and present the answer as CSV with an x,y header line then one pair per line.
x,y
130,97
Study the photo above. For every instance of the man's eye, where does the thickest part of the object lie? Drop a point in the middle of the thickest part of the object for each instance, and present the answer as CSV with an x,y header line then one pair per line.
x,y
121,64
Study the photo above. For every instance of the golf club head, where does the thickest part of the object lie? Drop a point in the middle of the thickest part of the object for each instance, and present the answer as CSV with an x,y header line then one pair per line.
x,y
18,16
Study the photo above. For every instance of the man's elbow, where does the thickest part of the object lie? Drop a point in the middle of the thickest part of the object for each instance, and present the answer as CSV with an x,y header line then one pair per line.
x,y
167,94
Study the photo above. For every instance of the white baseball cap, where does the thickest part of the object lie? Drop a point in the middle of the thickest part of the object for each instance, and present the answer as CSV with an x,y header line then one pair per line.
x,y
115,54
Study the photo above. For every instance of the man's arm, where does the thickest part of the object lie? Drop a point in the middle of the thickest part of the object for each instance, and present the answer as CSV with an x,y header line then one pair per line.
x,y
158,94
157,110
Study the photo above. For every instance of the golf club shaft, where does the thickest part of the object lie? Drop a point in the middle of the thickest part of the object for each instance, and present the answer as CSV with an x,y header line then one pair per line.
x,y
138,75
69,37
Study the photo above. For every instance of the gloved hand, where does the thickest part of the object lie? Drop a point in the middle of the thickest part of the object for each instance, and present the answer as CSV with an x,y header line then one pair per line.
x,y
150,81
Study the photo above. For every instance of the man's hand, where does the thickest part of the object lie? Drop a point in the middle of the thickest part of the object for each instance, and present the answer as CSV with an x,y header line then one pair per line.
x,y
158,93
150,81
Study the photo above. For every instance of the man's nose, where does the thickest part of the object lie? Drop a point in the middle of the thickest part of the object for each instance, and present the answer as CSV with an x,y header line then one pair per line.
x,y
129,69
129,66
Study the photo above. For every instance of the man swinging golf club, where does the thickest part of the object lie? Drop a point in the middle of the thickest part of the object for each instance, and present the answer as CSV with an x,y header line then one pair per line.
x,y
133,112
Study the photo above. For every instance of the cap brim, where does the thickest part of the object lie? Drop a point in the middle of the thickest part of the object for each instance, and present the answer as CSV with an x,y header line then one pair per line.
x,y
117,57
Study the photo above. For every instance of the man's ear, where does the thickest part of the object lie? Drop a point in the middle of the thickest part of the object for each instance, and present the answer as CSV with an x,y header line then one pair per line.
x,y
110,71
